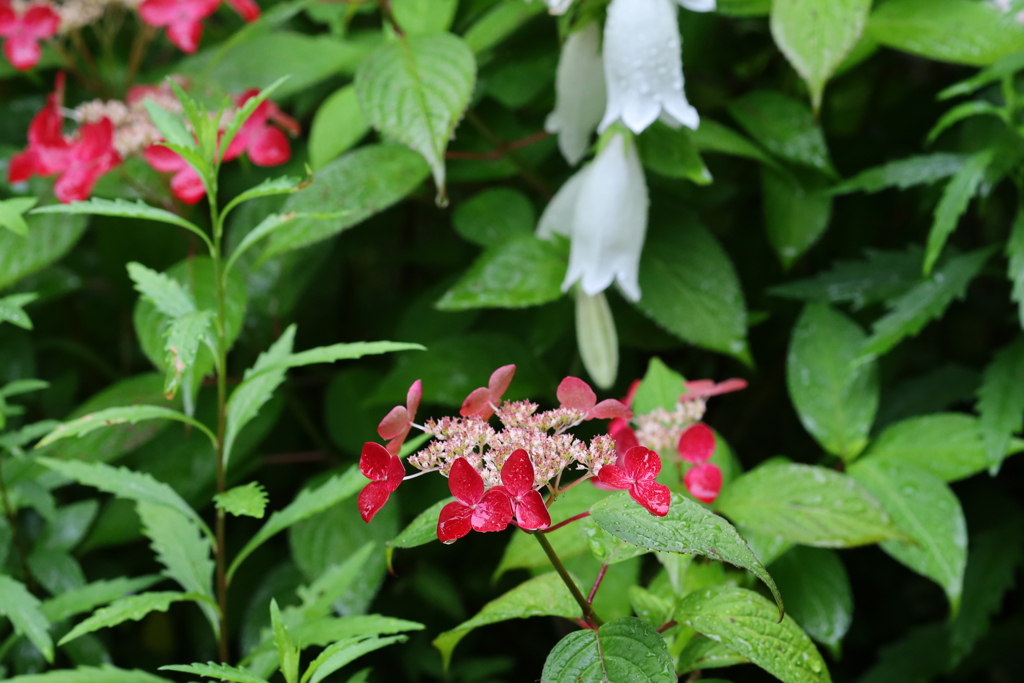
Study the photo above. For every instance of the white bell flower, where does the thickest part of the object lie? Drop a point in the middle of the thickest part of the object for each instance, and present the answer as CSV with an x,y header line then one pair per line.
x,y
580,93
603,211
698,5
643,65
557,7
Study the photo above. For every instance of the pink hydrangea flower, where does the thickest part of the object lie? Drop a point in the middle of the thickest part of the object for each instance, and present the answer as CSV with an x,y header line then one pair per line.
x,y
266,145
183,19
475,509
696,444
704,482
22,33
576,394
518,477
640,468
385,472
484,401
395,426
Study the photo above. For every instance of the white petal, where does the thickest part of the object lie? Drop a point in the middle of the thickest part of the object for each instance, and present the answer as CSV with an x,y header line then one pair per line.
x,y
597,339
609,223
580,93
558,216
643,65
698,5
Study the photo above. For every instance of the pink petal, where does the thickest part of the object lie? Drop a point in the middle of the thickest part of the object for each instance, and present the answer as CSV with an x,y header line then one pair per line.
x,y
531,513
641,464
185,35
465,483
696,444
498,384
8,20
247,9
21,166
493,512
412,399
517,473
75,185
653,496
615,477
576,394
163,159
394,423
610,408
95,142
372,498
23,52
396,472
269,147
160,12
704,482
702,388
623,434
188,186
477,404
40,21
628,400
374,461
454,522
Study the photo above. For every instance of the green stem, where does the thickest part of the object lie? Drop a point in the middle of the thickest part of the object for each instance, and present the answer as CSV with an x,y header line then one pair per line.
x,y
588,610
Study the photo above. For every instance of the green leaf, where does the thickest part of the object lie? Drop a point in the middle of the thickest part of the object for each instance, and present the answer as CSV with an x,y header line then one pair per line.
x,y
925,301
237,121
123,209
746,623
795,216
785,127
268,188
714,137
495,216
12,310
337,126
23,609
522,272
345,351
89,674
818,593
677,263
499,23
1001,401
222,672
287,653
816,38
131,608
672,153
184,336
1007,66
420,531
688,528
903,173
166,293
415,90
364,182
268,226
963,111
806,504
170,126
541,596
424,16
955,199
928,512
835,399
318,599
22,386
974,33
92,595
306,504
11,211
343,653
116,416
1015,269
49,238
705,653
249,500
626,649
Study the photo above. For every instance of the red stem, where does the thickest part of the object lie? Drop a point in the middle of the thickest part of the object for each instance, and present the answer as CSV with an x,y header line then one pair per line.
x,y
597,583
563,523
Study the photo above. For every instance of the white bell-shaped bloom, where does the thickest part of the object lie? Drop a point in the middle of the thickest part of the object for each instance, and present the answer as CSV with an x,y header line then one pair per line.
x,y
698,5
560,6
643,66
579,93
603,210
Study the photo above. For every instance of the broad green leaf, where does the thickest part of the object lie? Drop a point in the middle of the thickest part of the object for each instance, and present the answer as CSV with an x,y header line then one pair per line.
x,y
424,16
420,531
688,528
795,216
522,272
606,547
705,653
363,182
89,674
974,33
167,294
415,90
672,153
495,216
653,609
818,593
221,672
92,595
249,500
1015,270
808,505
713,137
817,37
131,608
678,262
785,127
23,609
337,126
12,310
911,311
122,208
660,387
835,399
903,173
748,624
49,238
306,504
11,214
184,336
949,445
344,652
499,23
627,649
955,199
1001,401
541,596
269,226
116,416
70,526
928,512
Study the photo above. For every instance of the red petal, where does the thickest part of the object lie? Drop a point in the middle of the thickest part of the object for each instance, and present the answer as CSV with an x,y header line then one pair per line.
x,y
609,409
23,52
454,522
465,483
95,143
396,472
494,511
188,186
623,434
702,388
696,444
40,21
163,159
613,476
374,461
185,35
704,482
531,513
8,20
628,400
517,473
75,184
500,379
641,464
269,147
372,498
160,12
477,404
653,496
412,399
577,394
21,166
247,9
394,423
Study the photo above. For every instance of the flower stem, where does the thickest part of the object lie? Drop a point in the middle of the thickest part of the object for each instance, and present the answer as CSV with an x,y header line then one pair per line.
x,y
588,610
564,522
597,583
222,412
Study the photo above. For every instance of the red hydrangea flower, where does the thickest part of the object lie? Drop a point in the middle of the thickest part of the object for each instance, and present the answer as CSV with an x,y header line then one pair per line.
x,y
473,509
265,144
696,444
185,183
576,394
385,471
23,33
482,402
703,388
517,475
183,19
704,482
640,468
396,424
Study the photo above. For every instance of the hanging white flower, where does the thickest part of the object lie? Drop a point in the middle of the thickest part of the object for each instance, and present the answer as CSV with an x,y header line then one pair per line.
x,y
643,65
579,93
603,211
698,5
557,7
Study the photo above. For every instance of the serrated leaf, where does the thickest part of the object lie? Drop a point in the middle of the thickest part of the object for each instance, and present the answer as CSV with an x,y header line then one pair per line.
x,y
626,649
346,351
522,272
928,512
344,652
955,199
705,653
963,111
12,310
903,173
167,294
1001,401
785,127
116,416
268,188
817,37
131,608
541,596
817,590
169,125
92,595
1015,269
287,652
835,399
121,208
23,609
249,500
688,528
184,336
89,674
1007,66
415,90
748,624
925,301
221,672
11,214
795,216
806,504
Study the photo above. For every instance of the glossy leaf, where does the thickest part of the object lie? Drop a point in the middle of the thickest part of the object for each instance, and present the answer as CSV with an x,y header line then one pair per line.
x,y
627,649
903,173
131,608
672,153
495,216
11,211
49,238
23,609
704,653
337,126
1015,269
93,595
955,199
785,127
344,652
249,500
1001,401
818,593
89,674
221,672
795,216
12,310
184,336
